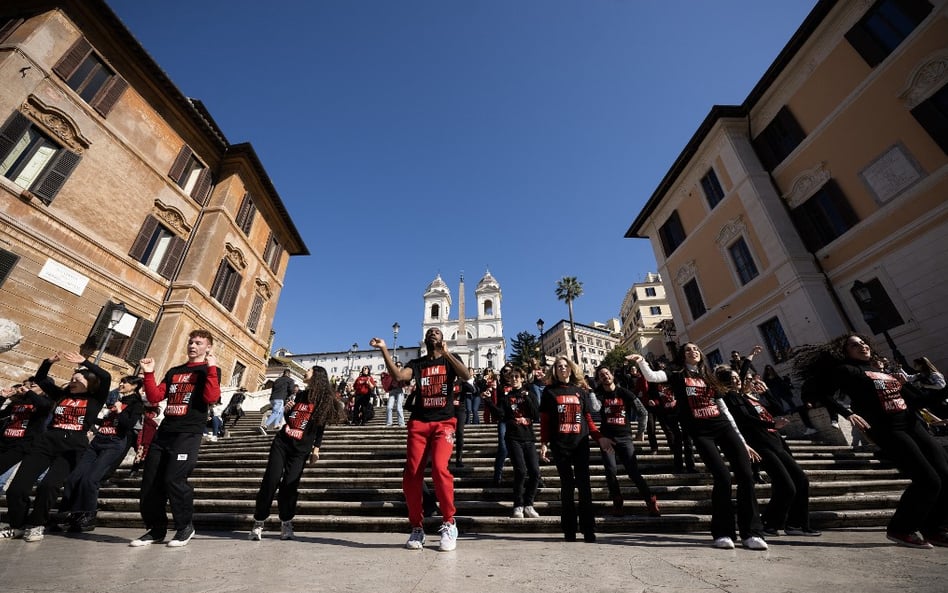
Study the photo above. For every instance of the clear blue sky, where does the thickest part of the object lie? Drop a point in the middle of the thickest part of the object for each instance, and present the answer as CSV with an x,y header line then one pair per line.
x,y
409,138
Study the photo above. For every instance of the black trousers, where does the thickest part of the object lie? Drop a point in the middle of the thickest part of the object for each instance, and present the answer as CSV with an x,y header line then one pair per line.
x,y
573,467
81,493
924,504
284,472
526,466
789,487
624,450
678,440
707,439
171,459
59,451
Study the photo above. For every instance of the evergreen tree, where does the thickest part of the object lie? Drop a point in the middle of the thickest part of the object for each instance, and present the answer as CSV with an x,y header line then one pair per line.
x,y
525,347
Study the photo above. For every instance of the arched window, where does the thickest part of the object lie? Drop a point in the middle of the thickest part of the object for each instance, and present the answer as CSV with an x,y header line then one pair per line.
x,y
488,307
435,311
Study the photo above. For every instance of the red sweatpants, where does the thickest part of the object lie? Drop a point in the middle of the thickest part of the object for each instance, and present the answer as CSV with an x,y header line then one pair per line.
x,y
437,440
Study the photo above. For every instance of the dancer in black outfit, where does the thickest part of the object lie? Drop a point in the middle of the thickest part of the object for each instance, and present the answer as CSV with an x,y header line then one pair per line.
x,y
880,409
296,443
706,418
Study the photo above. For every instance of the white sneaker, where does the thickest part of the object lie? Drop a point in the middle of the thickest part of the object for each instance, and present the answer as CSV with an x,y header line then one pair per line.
x,y
449,537
10,533
150,537
530,513
416,540
33,534
517,513
834,424
723,543
182,537
286,530
755,543
810,431
256,532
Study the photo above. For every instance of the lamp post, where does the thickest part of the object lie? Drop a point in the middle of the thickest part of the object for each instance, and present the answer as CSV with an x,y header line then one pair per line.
x,y
115,316
490,358
395,328
542,349
870,315
349,358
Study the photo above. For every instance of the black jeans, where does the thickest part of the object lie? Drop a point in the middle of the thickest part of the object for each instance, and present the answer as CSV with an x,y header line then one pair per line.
x,y
924,504
171,459
526,466
284,471
678,441
573,468
789,487
624,450
707,439
56,449
82,487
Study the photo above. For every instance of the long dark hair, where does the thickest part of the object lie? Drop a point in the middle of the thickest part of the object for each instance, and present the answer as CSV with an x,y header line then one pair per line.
x,y
701,369
319,392
813,364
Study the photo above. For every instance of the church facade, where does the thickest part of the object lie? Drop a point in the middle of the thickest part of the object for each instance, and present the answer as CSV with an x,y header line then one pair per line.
x,y
477,340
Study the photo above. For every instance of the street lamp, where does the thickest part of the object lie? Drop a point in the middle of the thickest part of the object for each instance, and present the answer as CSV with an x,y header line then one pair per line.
x,y
490,358
349,358
542,349
115,316
873,318
395,328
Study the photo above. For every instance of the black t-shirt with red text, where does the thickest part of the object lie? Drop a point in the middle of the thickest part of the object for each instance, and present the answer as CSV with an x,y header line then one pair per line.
x,y
617,407
189,389
301,431
74,412
433,397
118,424
875,395
25,416
565,421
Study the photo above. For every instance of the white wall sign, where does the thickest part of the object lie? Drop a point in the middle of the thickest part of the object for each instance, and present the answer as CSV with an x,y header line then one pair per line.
x,y
64,277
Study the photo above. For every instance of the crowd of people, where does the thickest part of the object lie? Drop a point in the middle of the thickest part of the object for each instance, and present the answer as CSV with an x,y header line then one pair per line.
x,y
67,439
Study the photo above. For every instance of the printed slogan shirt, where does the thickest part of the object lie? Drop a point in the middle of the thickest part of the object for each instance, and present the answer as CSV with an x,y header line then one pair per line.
x,y
565,421
616,409
189,389
24,416
300,431
433,397
876,396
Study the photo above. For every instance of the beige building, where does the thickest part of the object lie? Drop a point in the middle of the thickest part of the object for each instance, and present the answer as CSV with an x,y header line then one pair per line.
x,y
593,342
118,189
819,204
646,317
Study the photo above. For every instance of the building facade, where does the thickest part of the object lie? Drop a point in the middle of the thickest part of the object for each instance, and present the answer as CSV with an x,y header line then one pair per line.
x,y
593,342
119,192
647,322
347,363
818,205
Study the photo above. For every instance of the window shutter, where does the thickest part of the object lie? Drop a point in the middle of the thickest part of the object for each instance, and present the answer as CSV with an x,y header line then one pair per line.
x,y
233,287
143,239
255,311
217,286
12,130
8,260
49,184
100,326
109,95
275,258
8,27
68,63
202,187
180,162
246,213
140,341
172,257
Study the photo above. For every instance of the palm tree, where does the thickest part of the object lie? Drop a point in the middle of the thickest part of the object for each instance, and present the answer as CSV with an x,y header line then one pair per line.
x,y
568,289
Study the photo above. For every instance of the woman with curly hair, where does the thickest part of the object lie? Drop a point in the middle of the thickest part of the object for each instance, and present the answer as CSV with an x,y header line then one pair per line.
x,y
706,418
298,441
879,408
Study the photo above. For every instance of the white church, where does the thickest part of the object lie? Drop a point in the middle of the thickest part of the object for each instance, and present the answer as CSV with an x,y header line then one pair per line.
x,y
478,340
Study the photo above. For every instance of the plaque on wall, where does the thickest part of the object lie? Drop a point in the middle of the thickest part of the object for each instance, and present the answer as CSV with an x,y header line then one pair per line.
x,y
891,174
64,277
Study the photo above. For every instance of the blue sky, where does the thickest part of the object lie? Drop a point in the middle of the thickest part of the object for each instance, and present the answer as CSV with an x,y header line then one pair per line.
x,y
409,138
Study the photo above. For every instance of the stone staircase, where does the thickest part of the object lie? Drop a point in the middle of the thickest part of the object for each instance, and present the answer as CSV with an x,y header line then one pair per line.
x,y
356,486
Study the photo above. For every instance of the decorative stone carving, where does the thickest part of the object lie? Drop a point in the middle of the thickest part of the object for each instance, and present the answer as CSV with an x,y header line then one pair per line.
x,y
172,217
56,123
805,184
732,229
235,256
686,272
926,79
263,289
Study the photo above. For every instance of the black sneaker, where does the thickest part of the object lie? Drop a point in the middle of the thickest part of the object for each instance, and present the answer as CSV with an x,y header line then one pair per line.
x,y
152,536
182,537
772,532
801,531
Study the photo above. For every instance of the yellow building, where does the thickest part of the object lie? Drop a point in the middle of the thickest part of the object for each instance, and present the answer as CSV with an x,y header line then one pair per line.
x,y
647,322
117,188
819,204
